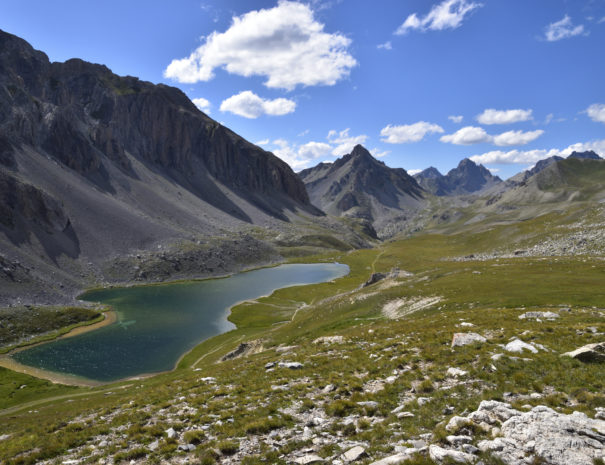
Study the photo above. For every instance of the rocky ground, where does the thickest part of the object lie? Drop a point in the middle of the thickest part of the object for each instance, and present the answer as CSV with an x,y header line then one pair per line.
x,y
409,359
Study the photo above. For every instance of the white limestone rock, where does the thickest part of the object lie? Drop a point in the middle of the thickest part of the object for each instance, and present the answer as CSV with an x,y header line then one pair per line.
x,y
463,339
517,345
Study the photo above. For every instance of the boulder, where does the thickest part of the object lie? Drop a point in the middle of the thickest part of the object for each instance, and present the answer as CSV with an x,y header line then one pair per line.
x,y
589,353
308,459
398,458
539,315
517,345
353,454
329,340
548,437
439,454
463,339
291,365
455,372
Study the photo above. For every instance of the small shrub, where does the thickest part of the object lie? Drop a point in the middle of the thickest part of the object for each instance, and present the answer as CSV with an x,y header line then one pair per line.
x,y
195,436
228,447
133,454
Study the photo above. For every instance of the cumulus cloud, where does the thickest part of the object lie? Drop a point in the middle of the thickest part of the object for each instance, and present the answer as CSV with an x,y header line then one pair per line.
x,y
449,14
285,43
408,132
313,150
344,142
202,104
596,112
517,137
526,157
386,46
300,156
376,152
263,142
562,29
468,135
456,118
250,105
492,116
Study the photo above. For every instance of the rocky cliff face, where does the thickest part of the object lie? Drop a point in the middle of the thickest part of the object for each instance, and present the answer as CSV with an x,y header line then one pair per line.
x,y
466,178
85,116
359,186
95,167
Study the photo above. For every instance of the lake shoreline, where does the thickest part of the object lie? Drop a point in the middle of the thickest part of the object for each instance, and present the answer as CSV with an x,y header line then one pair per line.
x,y
6,361
111,317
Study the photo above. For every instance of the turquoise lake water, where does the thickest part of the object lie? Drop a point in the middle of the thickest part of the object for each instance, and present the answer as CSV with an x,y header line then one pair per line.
x,y
158,324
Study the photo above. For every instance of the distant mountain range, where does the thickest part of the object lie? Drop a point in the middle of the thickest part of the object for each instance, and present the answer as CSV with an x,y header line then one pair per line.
x,y
107,179
466,178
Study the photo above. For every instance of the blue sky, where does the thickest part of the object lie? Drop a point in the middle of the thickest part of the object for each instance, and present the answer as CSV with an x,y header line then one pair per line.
x,y
418,82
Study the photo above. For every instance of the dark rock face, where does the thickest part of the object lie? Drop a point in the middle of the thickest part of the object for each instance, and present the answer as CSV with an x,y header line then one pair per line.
x,y
466,178
588,155
85,116
433,181
96,168
359,186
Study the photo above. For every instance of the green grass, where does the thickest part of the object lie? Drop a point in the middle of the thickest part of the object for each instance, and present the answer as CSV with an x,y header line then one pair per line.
x,y
251,402
27,325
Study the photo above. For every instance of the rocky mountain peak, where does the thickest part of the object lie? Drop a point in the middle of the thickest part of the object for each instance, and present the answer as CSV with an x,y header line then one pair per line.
x,y
359,151
587,155
466,178
429,173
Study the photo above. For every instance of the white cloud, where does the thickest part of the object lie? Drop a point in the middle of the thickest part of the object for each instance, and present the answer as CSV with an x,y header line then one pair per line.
x,y
492,116
562,29
344,142
202,104
449,14
386,46
602,20
456,118
250,105
408,132
516,137
596,112
300,156
413,172
376,152
549,118
470,135
467,136
263,142
525,157
283,43
313,150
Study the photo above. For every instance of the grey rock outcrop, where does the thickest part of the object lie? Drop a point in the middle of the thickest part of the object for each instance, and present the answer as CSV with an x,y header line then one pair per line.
x,y
589,353
463,339
553,438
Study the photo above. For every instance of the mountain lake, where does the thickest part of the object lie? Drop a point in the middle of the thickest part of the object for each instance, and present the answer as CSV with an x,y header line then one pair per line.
x,y
157,324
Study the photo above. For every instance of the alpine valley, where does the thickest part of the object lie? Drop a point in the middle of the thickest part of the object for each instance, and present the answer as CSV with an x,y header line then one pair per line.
x,y
469,329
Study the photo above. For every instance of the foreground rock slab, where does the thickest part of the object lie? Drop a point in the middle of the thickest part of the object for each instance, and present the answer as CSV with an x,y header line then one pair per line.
x,y
589,353
439,454
542,433
463,339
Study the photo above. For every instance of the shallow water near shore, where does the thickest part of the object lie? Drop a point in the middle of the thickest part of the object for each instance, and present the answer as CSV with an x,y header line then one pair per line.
x,y
157,324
